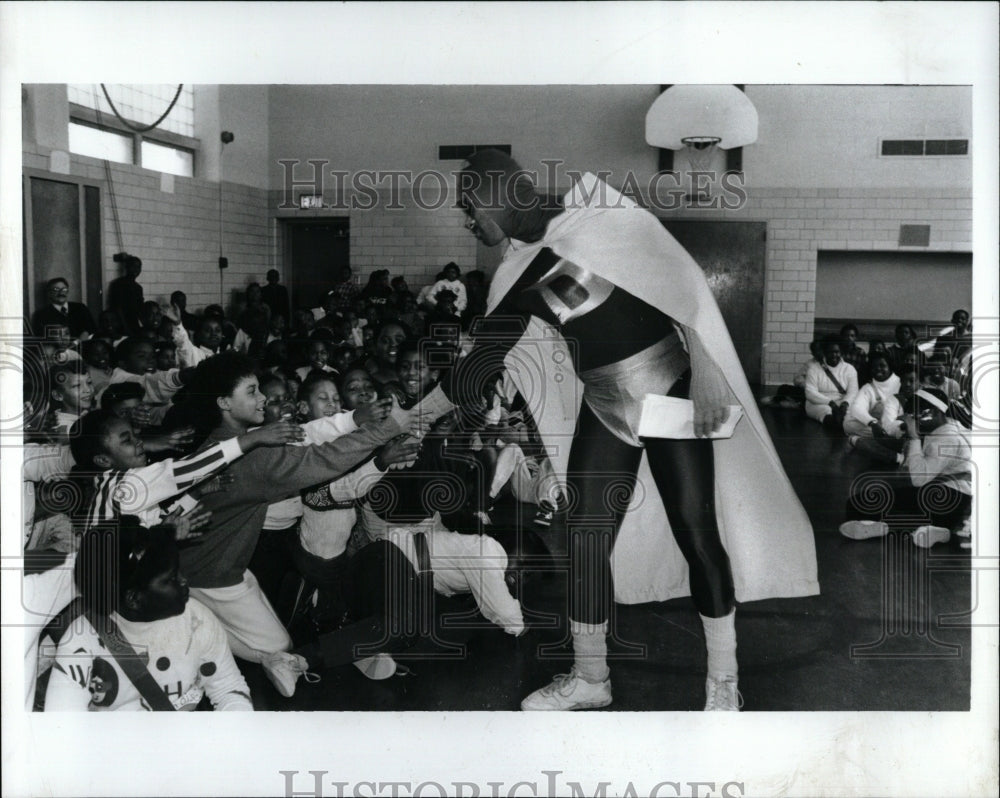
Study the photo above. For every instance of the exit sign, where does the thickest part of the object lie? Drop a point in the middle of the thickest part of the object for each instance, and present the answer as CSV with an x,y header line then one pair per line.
x,y
307,201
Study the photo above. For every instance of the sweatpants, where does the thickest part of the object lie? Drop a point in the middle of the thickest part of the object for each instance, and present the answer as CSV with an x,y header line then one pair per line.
x,y
250,622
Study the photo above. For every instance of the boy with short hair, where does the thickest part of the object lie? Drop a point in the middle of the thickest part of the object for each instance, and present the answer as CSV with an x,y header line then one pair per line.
x,y
137,363
73,394
318,354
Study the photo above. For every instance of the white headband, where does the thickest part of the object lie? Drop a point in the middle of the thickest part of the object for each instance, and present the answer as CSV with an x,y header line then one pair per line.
x,y
933,400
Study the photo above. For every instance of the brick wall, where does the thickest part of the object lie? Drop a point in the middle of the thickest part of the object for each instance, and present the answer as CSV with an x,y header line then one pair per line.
x,y
176,233
802,221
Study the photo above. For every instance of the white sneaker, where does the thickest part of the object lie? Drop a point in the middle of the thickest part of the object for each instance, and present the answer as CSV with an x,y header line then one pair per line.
x,y
721,695
927,536
284,669
569,691
378,667
862,530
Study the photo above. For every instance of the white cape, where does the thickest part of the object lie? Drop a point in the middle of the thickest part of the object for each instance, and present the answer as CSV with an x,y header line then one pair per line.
x,y
764,527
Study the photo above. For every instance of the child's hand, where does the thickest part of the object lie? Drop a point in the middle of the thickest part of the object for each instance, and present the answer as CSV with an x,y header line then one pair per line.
x,y
187,524
377,411
172,314
141,415
277,434
400,451
171,441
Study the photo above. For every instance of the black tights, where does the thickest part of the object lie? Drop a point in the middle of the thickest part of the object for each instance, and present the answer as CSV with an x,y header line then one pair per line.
x,y
601,478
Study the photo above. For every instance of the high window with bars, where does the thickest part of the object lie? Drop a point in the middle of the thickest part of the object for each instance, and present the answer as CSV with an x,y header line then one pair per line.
x,y
96,130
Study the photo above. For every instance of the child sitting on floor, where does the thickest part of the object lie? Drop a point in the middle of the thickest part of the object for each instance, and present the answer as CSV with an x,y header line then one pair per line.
x,y
134,599
831,386
936,482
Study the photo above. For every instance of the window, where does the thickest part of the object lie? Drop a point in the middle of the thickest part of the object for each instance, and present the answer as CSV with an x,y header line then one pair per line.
x,y
922,147
99,143
164,158
95,130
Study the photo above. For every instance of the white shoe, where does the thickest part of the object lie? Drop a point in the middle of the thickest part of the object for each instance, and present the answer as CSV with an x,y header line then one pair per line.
x,y
284,669
927,536
568,691
722,695
862,530
378,667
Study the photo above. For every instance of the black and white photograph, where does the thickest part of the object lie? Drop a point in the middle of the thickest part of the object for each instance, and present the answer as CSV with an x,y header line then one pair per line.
x,y
479,390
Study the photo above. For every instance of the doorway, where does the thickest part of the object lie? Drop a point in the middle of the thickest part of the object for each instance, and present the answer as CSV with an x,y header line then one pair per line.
x,y
315,251
62,238
732,255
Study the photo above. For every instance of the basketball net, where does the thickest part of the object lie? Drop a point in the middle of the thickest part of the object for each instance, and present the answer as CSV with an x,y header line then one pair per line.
x,y
700,150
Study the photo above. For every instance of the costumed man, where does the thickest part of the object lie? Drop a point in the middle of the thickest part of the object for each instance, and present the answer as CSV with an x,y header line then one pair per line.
x,y
595,281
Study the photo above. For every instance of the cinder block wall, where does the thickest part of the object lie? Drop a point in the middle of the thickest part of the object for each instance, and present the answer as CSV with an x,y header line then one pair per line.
x,y
176,233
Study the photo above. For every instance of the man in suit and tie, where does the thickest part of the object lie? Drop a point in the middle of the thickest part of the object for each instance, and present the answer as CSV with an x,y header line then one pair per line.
x,y
60,311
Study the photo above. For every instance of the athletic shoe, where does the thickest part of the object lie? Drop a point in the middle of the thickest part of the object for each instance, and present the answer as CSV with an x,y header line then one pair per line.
x,y
284,669
721,695
377,668
966,530
862,530
569,691
927,536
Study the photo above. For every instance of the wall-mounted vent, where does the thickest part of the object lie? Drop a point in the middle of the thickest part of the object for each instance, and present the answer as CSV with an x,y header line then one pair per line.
x,y
459,152
925,146
914,235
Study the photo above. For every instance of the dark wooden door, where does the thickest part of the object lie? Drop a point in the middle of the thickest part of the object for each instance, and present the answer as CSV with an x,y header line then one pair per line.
x,y
316,252
732,255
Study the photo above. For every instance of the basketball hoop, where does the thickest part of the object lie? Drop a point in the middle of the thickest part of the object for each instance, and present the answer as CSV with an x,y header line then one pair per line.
x,y
701,118
700,150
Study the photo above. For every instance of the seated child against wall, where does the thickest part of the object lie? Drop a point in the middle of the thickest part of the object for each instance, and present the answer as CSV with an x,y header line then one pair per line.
x,y
853,352
831,385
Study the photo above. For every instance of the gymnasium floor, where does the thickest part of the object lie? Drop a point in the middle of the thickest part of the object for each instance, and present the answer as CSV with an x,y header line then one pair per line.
x,y
888,631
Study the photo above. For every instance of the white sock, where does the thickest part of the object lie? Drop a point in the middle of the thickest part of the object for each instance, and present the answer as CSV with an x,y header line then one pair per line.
x,y
590,651
720,639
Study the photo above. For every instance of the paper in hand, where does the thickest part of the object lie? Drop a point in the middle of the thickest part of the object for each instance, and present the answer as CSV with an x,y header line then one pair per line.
x,y
670,417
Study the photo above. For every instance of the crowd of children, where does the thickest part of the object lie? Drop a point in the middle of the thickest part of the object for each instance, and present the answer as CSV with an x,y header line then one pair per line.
x,y
199,486
907,407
